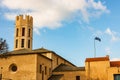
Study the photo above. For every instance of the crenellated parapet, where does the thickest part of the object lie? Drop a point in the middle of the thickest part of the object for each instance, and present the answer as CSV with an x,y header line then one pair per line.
x,y
24,20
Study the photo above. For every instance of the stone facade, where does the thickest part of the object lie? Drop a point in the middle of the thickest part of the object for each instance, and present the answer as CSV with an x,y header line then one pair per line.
x,y
25,64
101,68
23,32
18,67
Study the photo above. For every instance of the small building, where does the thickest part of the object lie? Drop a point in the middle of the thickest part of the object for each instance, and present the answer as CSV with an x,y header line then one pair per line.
x,y
101,68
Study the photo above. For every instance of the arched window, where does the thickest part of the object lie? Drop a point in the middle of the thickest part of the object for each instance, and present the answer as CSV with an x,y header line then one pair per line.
x,y
17,31
16,45
45,69
29,31
22,43
23,31
40,68
28,43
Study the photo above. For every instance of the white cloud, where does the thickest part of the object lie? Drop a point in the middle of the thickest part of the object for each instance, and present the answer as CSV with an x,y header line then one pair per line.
x,y
114,35
36,30
51,13
98,8
108,51
115,59
97,33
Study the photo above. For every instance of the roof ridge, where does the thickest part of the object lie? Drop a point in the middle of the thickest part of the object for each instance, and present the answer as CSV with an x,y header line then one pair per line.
x,y
42,50
65,67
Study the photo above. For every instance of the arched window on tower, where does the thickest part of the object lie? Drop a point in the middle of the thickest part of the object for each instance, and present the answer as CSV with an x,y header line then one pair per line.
x,y
17,31
22,43
16,45
23,31
29,31
28,43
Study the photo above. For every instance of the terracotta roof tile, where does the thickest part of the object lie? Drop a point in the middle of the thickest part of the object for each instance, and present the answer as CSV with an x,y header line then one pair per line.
x,y
97,59
115,64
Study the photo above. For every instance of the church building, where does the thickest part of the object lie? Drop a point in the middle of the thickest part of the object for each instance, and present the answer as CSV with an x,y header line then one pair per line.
x,y
24,63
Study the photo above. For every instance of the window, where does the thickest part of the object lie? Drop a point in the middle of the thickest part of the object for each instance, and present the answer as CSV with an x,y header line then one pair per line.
x,y
28,43
22,43
40,68
23,31
49,71
16,43
29,33
116,76
13,68
45,69
17,31
77,77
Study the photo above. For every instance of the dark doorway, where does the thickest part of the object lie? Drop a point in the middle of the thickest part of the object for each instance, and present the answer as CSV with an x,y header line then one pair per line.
x,y
77,77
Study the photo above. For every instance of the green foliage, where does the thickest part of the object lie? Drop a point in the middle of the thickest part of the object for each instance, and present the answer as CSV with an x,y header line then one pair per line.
x,y
3,46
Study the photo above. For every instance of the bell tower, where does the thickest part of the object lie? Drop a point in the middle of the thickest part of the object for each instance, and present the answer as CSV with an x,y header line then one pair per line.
x,y
23,32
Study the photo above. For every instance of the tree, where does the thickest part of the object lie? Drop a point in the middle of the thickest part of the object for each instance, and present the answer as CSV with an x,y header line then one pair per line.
x,y
3,46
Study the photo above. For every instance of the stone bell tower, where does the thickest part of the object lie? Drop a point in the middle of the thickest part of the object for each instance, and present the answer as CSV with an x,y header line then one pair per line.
x,y
23,32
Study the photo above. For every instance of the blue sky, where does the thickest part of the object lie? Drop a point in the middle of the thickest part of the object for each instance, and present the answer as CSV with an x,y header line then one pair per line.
x,y
66,27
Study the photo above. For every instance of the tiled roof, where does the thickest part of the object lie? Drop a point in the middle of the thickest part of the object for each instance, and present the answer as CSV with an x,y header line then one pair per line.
x,y
20,51
23,51
97,59
56,77
63,67
38,51
43,50
115,64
